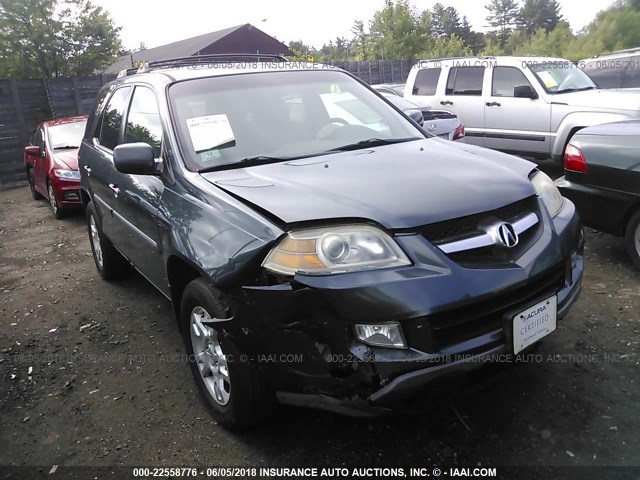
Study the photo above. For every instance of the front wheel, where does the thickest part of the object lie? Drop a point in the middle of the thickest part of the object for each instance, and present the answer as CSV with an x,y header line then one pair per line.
x,y
58,211
237,397
632,239
109,262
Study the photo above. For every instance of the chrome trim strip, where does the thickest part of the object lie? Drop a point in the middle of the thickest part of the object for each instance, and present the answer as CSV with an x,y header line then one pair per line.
x,y
485,240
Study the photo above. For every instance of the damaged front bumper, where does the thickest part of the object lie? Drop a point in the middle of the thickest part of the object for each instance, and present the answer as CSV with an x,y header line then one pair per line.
x,y
300,333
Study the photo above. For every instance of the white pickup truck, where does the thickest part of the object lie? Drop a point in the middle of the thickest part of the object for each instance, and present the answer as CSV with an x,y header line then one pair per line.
x,y
526,105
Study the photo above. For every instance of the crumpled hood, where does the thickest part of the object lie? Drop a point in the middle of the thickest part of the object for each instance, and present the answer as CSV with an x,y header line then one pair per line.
x,y
606,99
67,159
399,186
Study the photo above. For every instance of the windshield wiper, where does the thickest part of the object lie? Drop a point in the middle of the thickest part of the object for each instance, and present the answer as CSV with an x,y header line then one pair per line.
x,y
582,89
250,162
372,142
66,147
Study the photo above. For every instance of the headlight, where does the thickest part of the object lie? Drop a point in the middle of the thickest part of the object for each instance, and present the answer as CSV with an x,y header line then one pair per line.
x,y
548,192
322,251
67,174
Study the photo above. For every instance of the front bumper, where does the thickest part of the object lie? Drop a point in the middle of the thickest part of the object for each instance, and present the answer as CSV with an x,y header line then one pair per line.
x,y
67,192
300,334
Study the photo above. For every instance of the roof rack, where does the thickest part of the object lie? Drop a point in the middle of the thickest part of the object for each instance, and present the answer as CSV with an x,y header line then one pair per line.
x,y
203,60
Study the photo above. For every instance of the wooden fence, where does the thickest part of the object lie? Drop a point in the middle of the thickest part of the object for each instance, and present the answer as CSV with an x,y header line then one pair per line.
x,y
25,103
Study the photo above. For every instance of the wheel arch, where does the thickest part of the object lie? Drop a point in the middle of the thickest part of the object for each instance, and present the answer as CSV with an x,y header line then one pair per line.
x,y
180,272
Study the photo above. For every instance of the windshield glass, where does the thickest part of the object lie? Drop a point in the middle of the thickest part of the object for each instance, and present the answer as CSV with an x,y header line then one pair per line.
x,y
563,78
67,135
224,120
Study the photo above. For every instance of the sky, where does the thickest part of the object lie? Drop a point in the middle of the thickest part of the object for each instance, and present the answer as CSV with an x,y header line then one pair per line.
x,y
315,22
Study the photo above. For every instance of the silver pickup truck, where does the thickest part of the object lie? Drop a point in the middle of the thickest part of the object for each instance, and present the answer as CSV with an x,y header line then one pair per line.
x,y
526,105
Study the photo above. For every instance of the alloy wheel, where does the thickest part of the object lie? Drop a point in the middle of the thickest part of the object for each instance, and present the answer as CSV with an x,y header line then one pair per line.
x,y
95,241
52,200
209,357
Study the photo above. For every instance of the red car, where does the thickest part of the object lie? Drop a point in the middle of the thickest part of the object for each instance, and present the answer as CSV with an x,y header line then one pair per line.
x,y
52,163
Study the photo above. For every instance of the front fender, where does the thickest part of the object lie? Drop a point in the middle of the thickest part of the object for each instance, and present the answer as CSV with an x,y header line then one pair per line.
x,y
578,120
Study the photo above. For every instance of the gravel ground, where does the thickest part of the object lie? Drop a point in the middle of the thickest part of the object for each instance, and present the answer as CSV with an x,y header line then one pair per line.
x,y
91,374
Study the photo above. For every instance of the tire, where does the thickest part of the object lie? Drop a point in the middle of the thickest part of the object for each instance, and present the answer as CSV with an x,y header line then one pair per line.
x,y
34,194
632,239
110,263
57,211
232,389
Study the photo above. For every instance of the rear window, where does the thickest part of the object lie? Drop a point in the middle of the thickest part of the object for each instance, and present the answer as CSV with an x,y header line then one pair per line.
x,y
426,81
465,81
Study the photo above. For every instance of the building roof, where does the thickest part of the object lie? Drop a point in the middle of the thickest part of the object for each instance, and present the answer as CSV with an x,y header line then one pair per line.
x,y
198,45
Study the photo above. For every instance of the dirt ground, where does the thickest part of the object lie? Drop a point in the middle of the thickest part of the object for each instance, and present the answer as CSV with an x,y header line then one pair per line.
x,y
91,373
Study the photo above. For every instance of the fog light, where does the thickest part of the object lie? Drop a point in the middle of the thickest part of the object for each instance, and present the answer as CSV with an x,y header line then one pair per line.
x,y
388,335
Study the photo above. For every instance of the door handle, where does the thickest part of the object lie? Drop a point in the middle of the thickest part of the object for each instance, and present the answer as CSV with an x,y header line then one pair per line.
x,y
114,189
446,102
88,170
492,104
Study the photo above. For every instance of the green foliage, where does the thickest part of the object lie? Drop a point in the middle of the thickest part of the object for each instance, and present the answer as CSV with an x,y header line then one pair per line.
x,y
537,14
39,38
503,15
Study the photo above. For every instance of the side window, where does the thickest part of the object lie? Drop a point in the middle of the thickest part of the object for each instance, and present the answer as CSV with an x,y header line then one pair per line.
x,y
112,119
506,79
426,81
465,81
143,120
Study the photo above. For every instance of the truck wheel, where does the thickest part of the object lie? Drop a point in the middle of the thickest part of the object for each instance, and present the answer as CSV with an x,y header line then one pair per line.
x,y
32,182
109,262
632,239
234,392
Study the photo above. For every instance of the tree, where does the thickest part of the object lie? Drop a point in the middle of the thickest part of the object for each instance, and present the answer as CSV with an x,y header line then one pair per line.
x,y
502,16
395,32
301,51
359,42
46,40
536,14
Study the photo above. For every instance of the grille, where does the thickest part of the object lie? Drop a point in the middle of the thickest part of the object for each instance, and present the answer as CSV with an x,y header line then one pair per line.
x,y
457,325
469,226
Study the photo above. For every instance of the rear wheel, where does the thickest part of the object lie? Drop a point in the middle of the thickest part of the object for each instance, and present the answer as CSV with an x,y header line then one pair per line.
x,y
58,211
32,185
237,397
632,239
109,262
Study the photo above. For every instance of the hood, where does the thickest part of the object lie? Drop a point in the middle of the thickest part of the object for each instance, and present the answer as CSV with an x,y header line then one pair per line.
x,y
67,159
606,99
399,186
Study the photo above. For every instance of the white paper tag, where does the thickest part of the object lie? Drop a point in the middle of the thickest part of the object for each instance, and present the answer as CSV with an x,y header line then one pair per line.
x,y
210,131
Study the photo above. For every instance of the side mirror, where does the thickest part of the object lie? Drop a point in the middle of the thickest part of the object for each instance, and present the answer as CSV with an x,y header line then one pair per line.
x,y
524,91
135,158
32,151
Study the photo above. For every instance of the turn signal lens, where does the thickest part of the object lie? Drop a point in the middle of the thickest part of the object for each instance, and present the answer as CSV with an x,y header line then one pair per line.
x,y
574,159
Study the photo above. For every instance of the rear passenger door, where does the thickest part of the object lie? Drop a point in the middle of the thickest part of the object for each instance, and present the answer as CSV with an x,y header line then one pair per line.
x,y
514,123
98,162
463,95
136,203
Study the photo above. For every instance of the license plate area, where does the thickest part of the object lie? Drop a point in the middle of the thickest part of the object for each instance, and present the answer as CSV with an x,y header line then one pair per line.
x,y
534,323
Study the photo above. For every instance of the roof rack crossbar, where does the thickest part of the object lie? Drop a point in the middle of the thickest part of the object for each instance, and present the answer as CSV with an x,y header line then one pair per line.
x,y
218,57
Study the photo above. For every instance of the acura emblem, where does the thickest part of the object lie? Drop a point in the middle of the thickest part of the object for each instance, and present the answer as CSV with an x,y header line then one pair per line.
x,y
432,127
507,235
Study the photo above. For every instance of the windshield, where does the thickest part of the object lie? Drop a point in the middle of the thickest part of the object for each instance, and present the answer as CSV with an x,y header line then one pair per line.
x,y
67,135
223,121
563,78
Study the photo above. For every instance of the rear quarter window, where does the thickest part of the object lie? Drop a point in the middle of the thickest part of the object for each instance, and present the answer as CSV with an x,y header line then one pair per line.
x,y
426,81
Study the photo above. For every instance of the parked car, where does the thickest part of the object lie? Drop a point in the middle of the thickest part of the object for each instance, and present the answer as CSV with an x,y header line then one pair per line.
x,y
51,161
615,70
440,123
309,260
527,105
602,177
392,88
